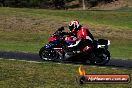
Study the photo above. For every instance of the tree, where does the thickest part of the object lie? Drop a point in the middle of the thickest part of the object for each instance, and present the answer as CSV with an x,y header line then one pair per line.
x,y
2,2
83,3
93,3
59,4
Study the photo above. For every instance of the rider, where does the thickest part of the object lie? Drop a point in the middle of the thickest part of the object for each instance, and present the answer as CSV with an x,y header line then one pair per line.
x,y
84,37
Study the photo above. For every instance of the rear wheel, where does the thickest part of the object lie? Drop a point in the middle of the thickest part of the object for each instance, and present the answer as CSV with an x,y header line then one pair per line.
x,y
48,54
101,57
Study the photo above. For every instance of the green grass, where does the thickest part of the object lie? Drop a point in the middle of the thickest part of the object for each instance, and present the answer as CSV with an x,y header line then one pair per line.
x,y
27,30
22,42
126,8
21,74
121,49
115,19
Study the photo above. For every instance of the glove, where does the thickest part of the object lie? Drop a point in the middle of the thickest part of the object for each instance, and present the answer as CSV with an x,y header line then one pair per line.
x,y
71,34
61,29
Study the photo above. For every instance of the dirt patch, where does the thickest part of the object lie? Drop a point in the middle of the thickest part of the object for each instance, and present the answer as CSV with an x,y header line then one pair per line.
x,y
46,25
29,24
109,33
114,5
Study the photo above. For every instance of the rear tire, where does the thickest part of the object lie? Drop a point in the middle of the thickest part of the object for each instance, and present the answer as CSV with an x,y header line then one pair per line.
x,y
101,58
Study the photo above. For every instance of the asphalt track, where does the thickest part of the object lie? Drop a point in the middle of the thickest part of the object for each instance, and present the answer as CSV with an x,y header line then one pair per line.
x,y
118,63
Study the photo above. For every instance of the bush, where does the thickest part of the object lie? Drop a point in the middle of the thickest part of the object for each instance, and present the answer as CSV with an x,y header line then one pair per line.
x,y
46,3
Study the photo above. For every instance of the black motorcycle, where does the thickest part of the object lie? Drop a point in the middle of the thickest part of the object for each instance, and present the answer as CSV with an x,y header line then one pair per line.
x,y
57,50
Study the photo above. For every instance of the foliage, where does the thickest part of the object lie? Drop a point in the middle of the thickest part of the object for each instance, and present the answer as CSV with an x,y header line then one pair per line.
x,y
46,3
28,3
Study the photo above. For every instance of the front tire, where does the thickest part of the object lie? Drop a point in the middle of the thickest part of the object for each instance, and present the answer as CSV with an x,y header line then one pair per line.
x,y
48,54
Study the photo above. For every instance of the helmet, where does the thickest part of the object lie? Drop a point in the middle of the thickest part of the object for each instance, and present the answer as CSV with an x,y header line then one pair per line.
x,y
74,25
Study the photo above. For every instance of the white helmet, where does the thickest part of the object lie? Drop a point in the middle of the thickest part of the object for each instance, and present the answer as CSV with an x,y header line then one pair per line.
x,y
74,25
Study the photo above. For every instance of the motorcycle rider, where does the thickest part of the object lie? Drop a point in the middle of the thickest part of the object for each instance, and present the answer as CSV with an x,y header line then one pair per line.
x,y
83,35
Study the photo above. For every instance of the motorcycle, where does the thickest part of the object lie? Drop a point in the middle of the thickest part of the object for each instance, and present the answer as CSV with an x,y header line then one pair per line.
x,y
57,49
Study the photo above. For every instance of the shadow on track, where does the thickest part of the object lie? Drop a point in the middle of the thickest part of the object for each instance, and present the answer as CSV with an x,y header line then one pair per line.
x,y
35,57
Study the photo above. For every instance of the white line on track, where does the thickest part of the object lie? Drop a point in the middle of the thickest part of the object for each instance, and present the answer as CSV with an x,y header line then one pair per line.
x,y
35,61
22,60
54,63
102,67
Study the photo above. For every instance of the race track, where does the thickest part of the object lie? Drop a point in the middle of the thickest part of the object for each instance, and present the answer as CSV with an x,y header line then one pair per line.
x,y
35,57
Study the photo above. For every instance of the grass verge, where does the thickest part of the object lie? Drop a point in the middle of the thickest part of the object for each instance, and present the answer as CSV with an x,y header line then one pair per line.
x,y
21,74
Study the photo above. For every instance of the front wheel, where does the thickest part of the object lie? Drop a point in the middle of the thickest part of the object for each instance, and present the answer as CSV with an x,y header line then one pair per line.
x,y
101,57
48,54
